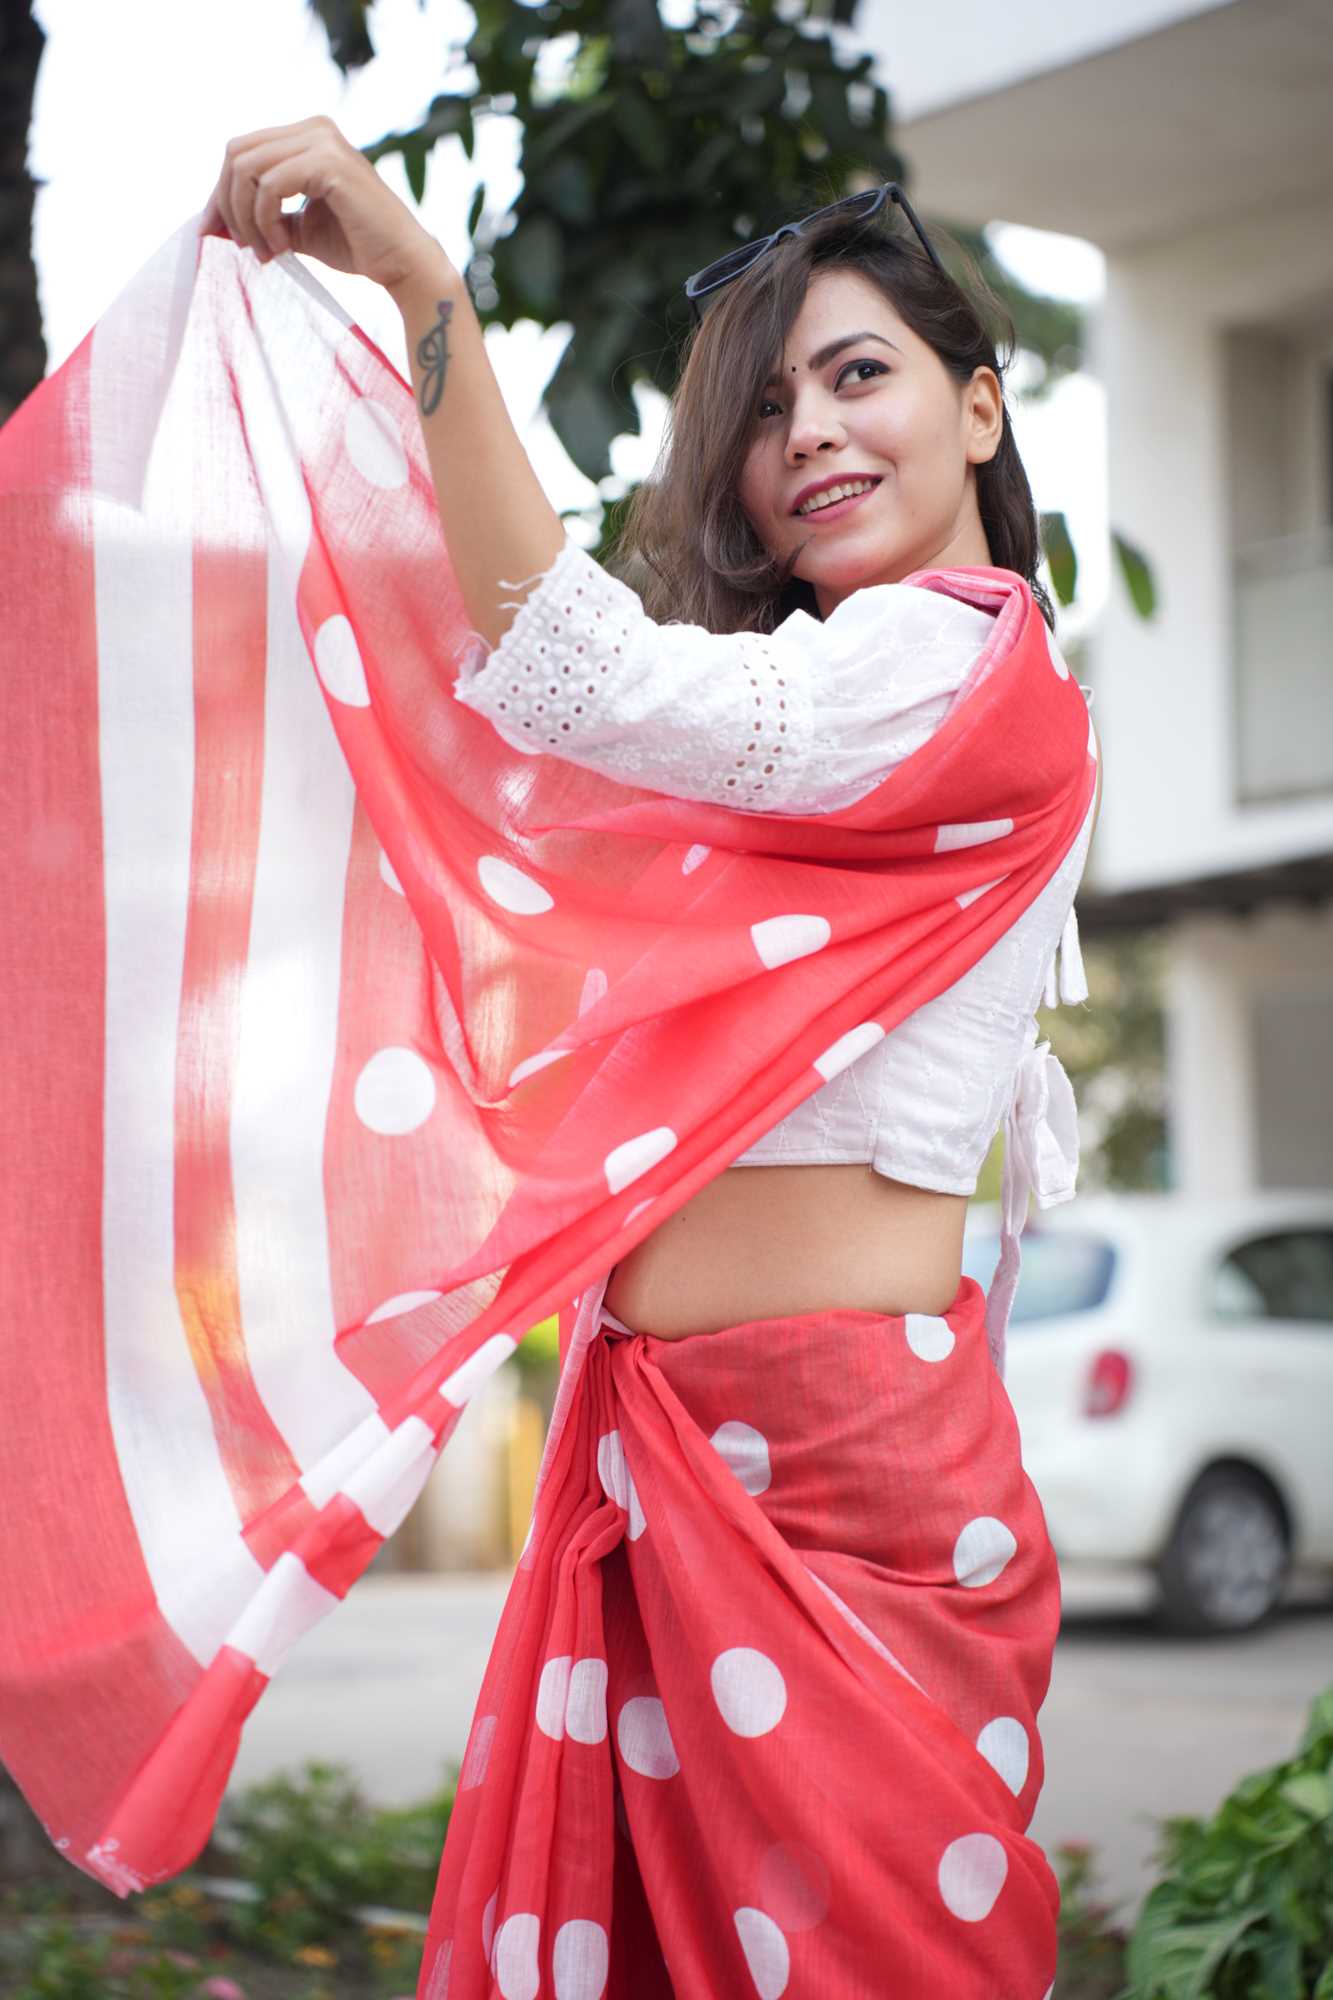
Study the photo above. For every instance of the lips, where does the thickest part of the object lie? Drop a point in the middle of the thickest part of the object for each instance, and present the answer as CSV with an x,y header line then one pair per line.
x,y
839,507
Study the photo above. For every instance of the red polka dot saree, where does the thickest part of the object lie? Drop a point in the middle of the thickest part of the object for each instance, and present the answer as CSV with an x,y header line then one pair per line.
x,y
344,1043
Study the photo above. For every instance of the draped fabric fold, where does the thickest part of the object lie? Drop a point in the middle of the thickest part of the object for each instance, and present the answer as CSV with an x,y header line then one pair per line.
x,y
761,1713
342,1043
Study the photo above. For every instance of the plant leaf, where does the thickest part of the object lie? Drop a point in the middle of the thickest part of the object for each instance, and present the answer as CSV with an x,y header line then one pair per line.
x,y
1060,554
1137,574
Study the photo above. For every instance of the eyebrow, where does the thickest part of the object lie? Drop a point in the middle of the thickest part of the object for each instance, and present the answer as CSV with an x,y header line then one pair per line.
x,y
824,355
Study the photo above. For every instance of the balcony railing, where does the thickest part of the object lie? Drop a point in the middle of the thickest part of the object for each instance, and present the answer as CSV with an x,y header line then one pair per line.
x,y
1284,667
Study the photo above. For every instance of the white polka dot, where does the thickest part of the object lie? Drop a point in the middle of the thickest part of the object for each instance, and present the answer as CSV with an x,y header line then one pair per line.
x,y
749,1690
478,1753
585,1705
644,1739
618,1481
848,1047
552,1694
625,1163
581,1960
437,1981
516,1956
981,1551
338,662
388,873
971,833
972,1872
401,1303
780,939
469,1375
611,1468
746,1451
1057,657
970,895
765,1951
637,1519
1004,1743
638,1209
531,1064
794,1886
488,1924
511,888
694,858
374,443
930,1337
395,1092
595,983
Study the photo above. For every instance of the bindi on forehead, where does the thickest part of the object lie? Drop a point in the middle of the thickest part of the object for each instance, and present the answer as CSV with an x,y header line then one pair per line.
x,y
823,355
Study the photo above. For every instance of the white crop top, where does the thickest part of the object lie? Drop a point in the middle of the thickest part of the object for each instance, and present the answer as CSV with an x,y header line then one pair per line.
x,y
806,719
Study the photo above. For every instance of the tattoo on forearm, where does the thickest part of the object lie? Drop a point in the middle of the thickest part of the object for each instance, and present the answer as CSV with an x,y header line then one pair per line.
x,y
433,358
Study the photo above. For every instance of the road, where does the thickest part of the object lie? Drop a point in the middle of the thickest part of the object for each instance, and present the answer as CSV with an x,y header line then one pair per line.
x,y
1136,1725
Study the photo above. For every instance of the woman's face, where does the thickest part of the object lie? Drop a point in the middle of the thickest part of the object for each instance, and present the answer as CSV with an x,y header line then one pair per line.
x,y
882,408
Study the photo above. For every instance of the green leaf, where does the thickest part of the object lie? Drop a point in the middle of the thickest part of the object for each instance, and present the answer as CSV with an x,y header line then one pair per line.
x,y
474,212
535,257
585,418
1324,1985
1319,1728
414,161
1310,1793
1060,554
1137,574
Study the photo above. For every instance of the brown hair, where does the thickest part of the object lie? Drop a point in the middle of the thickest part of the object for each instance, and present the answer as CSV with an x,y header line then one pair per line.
x,y
685,543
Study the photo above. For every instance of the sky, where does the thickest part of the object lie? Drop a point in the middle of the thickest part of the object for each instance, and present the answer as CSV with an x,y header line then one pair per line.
x,y
135,105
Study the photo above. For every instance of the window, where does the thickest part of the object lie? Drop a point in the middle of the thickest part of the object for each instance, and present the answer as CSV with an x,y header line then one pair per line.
x,y
1064,1272
1288,1275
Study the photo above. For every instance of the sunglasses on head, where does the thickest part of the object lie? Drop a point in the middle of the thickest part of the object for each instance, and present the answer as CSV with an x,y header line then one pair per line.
x,y
863,206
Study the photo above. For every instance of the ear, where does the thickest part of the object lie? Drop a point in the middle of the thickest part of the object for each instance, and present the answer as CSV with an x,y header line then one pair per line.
x,y
983,415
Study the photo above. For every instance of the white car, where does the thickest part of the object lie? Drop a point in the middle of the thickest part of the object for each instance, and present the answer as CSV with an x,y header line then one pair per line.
x,y
1170,1363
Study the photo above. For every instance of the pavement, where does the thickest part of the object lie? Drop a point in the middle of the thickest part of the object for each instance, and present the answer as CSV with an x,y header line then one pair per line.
x,y
1137,1725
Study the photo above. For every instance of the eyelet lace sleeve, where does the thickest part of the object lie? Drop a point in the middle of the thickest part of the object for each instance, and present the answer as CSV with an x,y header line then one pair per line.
x,y
806,719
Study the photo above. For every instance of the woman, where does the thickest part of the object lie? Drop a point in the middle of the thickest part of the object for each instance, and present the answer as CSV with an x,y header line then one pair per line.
x,y
761,1712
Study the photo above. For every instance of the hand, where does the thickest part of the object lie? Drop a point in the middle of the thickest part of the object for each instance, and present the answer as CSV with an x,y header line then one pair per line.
x,y
351,220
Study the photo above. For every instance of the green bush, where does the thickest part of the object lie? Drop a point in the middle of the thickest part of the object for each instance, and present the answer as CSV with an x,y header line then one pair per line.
x,y
1245,1911
315,1851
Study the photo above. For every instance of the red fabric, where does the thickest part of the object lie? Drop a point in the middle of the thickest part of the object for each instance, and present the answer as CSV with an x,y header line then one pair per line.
x,y
761,1713
342,1042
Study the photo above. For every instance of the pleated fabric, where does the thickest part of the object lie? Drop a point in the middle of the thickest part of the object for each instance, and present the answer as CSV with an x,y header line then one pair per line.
x,y
761,1715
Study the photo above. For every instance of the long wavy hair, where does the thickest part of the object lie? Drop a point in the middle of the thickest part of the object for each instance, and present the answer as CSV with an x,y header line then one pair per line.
x,y
685,543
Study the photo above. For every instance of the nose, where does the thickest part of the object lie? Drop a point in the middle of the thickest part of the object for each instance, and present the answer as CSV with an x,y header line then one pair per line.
x,y
814,426
811,431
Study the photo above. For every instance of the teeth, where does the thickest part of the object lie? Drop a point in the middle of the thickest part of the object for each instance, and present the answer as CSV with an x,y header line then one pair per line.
x,y
832,494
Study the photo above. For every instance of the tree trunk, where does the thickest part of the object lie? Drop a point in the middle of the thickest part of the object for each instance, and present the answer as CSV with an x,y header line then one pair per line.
x,y
22,346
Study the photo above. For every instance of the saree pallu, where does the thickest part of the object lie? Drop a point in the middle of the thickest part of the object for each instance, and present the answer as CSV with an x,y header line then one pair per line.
x,y
760,1717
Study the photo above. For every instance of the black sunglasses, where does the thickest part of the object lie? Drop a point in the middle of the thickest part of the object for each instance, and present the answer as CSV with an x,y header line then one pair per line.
x,y
864,205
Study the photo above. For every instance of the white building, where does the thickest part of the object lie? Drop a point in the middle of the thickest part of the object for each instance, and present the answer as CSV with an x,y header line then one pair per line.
x,y
1194,145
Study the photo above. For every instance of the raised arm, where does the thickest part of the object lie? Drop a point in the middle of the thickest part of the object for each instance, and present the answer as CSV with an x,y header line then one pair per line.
x,y
497,521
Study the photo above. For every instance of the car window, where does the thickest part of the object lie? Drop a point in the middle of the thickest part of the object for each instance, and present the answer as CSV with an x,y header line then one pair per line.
x,y
1068,1272
1285,1275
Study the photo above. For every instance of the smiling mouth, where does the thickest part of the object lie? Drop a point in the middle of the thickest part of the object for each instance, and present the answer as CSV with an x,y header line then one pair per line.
x,y
838,508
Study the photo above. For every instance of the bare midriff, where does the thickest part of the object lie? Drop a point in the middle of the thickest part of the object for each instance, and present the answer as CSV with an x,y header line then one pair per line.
x,y
764,1242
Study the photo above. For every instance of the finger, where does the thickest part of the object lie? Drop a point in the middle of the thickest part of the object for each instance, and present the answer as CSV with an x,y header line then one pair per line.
x,y
259,180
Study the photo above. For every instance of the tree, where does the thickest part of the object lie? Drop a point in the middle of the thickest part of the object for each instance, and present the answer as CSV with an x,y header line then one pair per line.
x,y
662,147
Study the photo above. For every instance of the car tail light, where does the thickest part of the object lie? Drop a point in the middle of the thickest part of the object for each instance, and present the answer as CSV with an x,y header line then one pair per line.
x,y
1109,1383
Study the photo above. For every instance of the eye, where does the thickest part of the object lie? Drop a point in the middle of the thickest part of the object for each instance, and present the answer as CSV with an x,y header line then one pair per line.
x,y
876,368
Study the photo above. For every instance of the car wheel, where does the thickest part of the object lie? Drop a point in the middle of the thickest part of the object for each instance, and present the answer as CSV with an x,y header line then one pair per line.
x,y
1225,1565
